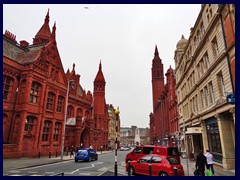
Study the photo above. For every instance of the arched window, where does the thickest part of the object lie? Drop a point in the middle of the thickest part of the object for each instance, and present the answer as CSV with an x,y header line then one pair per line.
x,y
57,130
50,101
35,92
46,130
70,111
29,124
60,103
7,87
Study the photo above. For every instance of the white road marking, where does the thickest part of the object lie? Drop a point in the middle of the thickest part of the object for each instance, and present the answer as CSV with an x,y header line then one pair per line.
x,y
81,169
85,174
14,171
44,165
32,172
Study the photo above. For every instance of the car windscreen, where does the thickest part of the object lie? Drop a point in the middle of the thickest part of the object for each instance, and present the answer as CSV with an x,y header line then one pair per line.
x,y
147,150
82,151
172,160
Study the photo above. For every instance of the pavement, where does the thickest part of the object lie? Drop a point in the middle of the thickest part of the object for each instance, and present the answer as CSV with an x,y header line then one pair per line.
x,y
189,168
10,164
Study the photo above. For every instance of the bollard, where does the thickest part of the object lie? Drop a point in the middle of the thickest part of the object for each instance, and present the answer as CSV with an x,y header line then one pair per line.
x,y
56,154
129,174
49,154
150,169
175,171
39,154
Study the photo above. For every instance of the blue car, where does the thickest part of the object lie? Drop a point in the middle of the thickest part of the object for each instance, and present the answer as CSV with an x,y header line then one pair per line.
x,y
86,154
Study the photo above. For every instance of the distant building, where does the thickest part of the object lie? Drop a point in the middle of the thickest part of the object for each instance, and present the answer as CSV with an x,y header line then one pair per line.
x,y
112,128
164,128
134,136
205,76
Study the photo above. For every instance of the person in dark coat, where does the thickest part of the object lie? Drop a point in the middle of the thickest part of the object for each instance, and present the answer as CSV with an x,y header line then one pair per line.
x,y
201,162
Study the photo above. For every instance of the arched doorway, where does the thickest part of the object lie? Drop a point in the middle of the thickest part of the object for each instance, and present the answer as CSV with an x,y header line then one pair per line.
x,y
85,138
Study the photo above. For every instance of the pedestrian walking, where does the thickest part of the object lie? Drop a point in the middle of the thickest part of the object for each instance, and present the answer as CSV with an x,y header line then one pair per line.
x,y
101,148
209,158
201,162
71,152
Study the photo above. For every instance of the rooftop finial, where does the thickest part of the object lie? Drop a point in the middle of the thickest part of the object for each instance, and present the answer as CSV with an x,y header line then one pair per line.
x,y
156,51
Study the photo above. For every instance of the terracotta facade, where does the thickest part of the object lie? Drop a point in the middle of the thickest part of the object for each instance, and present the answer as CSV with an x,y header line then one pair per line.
x,y
35,90
164,129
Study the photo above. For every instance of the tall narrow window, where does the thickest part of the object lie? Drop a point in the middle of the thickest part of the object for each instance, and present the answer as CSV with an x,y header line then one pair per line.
x,y
50,101
29,123
70,111
34,93
206,96
196,103
46,131
202,99
206,61
215,47
60,103
221,84
56,131
211,93
7,86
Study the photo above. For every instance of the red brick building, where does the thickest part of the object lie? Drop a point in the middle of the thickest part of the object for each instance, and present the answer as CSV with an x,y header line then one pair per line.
x,y
35,95
164,129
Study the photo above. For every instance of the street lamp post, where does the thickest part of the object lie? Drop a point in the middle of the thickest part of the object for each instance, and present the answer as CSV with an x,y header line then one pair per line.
x,y
65,119
186,146
116,142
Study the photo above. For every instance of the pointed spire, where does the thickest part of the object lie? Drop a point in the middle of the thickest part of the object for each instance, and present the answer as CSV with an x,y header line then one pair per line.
x,y
44,34
100,65
47,17
99,76
53,35
156,51
73,66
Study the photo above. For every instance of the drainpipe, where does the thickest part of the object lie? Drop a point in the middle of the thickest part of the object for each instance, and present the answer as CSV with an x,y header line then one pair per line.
x,y
13,112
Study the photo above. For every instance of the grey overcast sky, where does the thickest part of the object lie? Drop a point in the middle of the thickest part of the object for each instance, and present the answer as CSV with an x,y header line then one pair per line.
x,y
122,36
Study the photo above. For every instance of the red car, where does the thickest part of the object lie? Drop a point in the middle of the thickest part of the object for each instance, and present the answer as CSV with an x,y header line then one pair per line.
x,y
160,166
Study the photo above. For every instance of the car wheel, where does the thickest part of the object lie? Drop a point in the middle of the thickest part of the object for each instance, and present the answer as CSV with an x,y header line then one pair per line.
x,y
163,174
96,158
90,159
131,169
76,160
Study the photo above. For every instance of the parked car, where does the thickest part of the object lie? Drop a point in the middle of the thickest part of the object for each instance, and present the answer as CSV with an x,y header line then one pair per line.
x,y
86,154
124,148
140,151
160,166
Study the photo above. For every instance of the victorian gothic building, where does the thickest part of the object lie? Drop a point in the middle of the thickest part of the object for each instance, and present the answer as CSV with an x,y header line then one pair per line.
x,y
37,94
164,129
205,78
